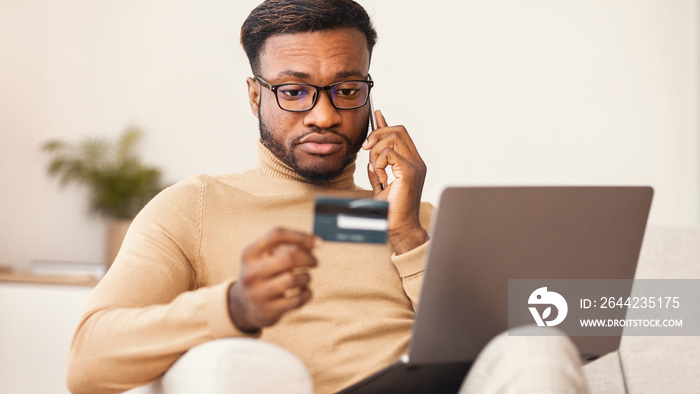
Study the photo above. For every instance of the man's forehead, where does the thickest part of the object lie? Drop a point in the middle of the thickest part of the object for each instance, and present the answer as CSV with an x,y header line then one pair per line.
x,y
339,53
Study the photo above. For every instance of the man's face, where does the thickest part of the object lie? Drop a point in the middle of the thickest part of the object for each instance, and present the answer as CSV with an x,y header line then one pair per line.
x,y
321,142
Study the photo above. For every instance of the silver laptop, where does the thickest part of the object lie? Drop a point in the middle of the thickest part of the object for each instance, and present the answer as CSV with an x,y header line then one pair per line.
x,y
483,236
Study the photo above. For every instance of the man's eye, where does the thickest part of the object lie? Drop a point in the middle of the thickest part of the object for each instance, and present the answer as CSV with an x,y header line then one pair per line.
x,y
348,93
293,93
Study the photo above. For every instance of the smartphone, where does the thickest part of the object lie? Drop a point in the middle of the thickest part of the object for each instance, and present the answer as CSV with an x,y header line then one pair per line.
x,y
372,123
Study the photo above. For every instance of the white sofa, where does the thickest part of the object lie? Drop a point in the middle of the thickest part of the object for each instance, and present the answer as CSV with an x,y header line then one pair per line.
x,y
642,364
656,364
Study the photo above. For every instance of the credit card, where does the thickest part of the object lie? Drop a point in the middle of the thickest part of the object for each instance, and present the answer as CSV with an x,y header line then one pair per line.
x,y
351,220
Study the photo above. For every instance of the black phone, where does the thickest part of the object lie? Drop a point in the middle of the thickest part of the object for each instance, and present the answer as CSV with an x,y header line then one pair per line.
x,y
372,123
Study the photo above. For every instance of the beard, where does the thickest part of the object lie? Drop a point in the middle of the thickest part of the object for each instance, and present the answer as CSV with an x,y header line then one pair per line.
x,y
314,174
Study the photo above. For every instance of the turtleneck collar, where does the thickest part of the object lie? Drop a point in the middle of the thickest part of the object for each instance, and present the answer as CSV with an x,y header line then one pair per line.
x,y
269,165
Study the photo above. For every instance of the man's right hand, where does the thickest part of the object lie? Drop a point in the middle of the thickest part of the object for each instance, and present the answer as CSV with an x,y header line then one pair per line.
x,y
273,279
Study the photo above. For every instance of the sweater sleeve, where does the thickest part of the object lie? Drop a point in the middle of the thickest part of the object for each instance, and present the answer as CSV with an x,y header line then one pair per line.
x,y
146,312
411,264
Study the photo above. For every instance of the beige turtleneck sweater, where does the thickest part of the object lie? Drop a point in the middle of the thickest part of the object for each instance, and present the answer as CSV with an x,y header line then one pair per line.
x,y
167,290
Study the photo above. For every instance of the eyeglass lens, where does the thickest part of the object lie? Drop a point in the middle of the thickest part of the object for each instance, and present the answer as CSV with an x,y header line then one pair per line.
x,y
345,95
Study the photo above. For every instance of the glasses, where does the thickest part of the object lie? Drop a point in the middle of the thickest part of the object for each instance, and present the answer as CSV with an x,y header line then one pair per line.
x,y
300,97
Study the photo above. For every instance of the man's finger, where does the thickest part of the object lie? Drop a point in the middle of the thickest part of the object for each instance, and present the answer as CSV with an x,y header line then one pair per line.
x,y
277,307
387,157
391,142
279,236
394,134
281,285
381,120
373,137
283,260
377,185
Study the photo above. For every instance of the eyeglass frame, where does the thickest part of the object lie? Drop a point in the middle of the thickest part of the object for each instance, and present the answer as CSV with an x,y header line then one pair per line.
x,y
274,88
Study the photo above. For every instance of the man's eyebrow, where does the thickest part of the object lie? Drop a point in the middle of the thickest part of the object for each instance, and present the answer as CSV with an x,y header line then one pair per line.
x,y
305,76
351,74
295,74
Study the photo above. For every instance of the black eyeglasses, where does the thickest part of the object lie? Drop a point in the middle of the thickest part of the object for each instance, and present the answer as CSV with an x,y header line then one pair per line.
x,y
300,97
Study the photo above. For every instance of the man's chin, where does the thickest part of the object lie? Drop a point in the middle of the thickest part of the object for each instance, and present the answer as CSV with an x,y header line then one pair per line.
x,y
320,172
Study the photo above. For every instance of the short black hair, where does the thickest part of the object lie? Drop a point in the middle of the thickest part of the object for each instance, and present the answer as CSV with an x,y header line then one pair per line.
x,y
274,17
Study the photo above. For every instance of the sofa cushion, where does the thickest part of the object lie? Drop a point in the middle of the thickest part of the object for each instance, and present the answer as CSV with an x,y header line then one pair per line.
x,y
604,375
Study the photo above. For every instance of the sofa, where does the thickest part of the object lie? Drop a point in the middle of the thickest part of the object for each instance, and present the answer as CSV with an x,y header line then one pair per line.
x,y
656,364
641,365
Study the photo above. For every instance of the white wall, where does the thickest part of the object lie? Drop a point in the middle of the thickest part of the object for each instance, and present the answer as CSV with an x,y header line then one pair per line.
x,y
498,92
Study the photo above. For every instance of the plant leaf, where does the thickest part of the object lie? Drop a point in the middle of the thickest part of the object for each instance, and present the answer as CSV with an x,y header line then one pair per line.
x,y
119,184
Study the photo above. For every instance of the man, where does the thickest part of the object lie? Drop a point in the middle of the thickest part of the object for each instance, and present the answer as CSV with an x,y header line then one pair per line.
x,y
231,256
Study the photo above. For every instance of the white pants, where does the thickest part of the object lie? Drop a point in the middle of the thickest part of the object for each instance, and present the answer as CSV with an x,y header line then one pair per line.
x,y
508,364
527,364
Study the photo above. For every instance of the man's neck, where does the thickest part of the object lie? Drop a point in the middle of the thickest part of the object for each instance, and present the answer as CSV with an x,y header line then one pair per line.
x,y
270,165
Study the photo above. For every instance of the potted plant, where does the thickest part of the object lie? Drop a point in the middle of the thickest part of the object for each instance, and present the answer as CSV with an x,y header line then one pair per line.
x,y
119,184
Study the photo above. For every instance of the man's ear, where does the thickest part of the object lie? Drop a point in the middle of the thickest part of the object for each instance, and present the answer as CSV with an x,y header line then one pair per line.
x,y
253,95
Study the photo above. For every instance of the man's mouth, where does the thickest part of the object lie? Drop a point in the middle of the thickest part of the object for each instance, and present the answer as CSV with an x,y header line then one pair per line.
x,y
320,144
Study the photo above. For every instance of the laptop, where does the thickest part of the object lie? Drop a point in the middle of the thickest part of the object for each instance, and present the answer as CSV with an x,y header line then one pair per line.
x,y
484,236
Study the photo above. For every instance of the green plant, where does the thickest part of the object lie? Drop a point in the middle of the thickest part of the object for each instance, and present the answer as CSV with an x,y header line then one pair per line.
x,y
119,184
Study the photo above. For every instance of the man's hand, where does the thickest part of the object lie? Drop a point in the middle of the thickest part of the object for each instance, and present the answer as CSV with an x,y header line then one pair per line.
x,y
273,279
392,146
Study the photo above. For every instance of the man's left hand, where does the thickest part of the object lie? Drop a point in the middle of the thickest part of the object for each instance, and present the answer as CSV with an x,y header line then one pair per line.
x,y
392,146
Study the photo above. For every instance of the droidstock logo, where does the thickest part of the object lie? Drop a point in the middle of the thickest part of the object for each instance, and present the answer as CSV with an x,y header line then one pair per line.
x,y
543,297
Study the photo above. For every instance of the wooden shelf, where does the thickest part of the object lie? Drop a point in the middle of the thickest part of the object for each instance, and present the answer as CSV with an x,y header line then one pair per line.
x,y
10,275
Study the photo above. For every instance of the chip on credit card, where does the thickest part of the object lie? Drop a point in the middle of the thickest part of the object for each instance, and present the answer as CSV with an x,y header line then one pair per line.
x,y
351,220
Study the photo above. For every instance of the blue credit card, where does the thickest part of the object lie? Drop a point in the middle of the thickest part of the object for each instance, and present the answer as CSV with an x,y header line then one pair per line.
x,y
351,220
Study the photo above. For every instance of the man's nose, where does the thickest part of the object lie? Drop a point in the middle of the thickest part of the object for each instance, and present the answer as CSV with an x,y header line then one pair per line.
x,y
323,115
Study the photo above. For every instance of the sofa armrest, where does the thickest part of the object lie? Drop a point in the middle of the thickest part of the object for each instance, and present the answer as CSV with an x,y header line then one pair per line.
x,y
233,365
667,364
655,364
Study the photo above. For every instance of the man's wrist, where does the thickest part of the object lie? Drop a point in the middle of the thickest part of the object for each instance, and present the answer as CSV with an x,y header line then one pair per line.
x,y
235,312
409,239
